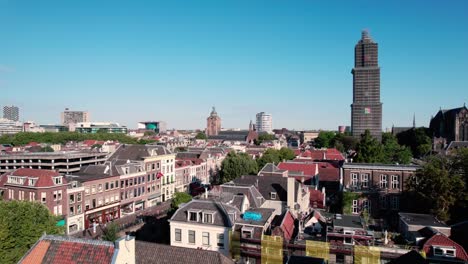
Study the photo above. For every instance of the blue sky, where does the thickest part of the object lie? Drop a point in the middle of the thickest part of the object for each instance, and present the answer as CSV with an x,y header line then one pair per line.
x,y
128,61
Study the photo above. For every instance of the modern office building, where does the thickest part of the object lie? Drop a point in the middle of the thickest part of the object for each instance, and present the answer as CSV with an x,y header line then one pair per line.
x,y
9,127
11,112
73,117
264,122
156,126
366,109
98,127
213,123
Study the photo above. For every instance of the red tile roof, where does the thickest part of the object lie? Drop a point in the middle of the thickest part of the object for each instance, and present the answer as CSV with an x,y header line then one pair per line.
x,y
63,250
442,240
316,197
309,169
319,154
44,177
326,171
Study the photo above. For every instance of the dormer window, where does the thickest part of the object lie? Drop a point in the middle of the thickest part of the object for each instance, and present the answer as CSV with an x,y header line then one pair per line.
x,y
444,251
126,170
273,195
193,216
16,180
208,217
32,181
232,216
58,180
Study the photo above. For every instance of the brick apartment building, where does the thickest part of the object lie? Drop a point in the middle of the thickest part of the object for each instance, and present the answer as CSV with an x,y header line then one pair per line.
x,y
45,186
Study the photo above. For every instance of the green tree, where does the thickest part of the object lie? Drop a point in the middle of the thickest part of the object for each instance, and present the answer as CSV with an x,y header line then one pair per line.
x,y
236,165
324,139
47,149
417,139
21,225
393,152
149,133
180,198
201,135
344,142
459,211
436,187
286,154
347,201
96,146
369,150
269,156
111,232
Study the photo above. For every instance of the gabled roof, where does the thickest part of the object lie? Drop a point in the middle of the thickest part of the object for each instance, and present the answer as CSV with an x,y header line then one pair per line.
x,y
137,152
267,185
64,250
253,195
153,253
221,217
440,239
412,257
285,223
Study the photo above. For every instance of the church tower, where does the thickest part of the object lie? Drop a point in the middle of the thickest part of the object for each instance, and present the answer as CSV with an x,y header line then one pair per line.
x,y
213,123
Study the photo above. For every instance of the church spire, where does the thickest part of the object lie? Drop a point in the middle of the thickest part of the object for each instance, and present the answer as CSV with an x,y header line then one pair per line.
x,y
414,120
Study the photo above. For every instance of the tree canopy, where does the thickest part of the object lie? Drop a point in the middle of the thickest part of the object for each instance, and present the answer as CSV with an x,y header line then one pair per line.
x,y
417,139
324,139
180,198
201,135
436,187
236,165
23,138
111,232
370,150
21,225
275,156
47,149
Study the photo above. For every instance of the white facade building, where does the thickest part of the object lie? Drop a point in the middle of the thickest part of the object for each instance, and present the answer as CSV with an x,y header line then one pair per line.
x,y
264,122
203,224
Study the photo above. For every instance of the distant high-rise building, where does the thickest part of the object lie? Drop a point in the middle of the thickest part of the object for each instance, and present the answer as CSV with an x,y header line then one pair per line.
x,y
366,109
264,122
11,112
213,123
156,126
73,117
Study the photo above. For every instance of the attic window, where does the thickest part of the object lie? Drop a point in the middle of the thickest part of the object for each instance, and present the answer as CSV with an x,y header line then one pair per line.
x,y
32,181
232,216
273,195
208,217
58,180
440,251
193,216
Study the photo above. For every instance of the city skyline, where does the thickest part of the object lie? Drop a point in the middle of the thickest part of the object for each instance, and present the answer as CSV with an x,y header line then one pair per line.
x,y
242,57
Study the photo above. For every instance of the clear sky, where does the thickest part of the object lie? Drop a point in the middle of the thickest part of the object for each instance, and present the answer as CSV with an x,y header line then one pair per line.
x,y
128,61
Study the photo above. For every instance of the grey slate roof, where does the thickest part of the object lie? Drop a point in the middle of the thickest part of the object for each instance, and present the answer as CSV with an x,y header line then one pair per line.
x,y
267,185
137,152
221,217
376,166
348,221
153,253
255,197
231,135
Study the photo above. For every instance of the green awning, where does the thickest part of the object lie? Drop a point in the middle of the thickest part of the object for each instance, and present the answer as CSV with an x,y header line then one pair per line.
x,y
61,222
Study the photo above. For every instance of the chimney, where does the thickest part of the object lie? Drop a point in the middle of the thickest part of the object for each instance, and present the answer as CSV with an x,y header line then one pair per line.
x,y
125,252
324,197
316,169
324,157
291,192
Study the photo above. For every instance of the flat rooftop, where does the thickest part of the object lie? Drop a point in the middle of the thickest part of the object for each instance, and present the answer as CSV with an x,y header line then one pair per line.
x,y
421,219
349,221
57,154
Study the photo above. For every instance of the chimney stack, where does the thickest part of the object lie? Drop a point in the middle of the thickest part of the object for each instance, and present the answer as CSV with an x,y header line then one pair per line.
x,y
126,250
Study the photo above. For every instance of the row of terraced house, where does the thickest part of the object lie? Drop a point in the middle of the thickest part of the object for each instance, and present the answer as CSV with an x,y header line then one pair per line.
x,y
131,179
